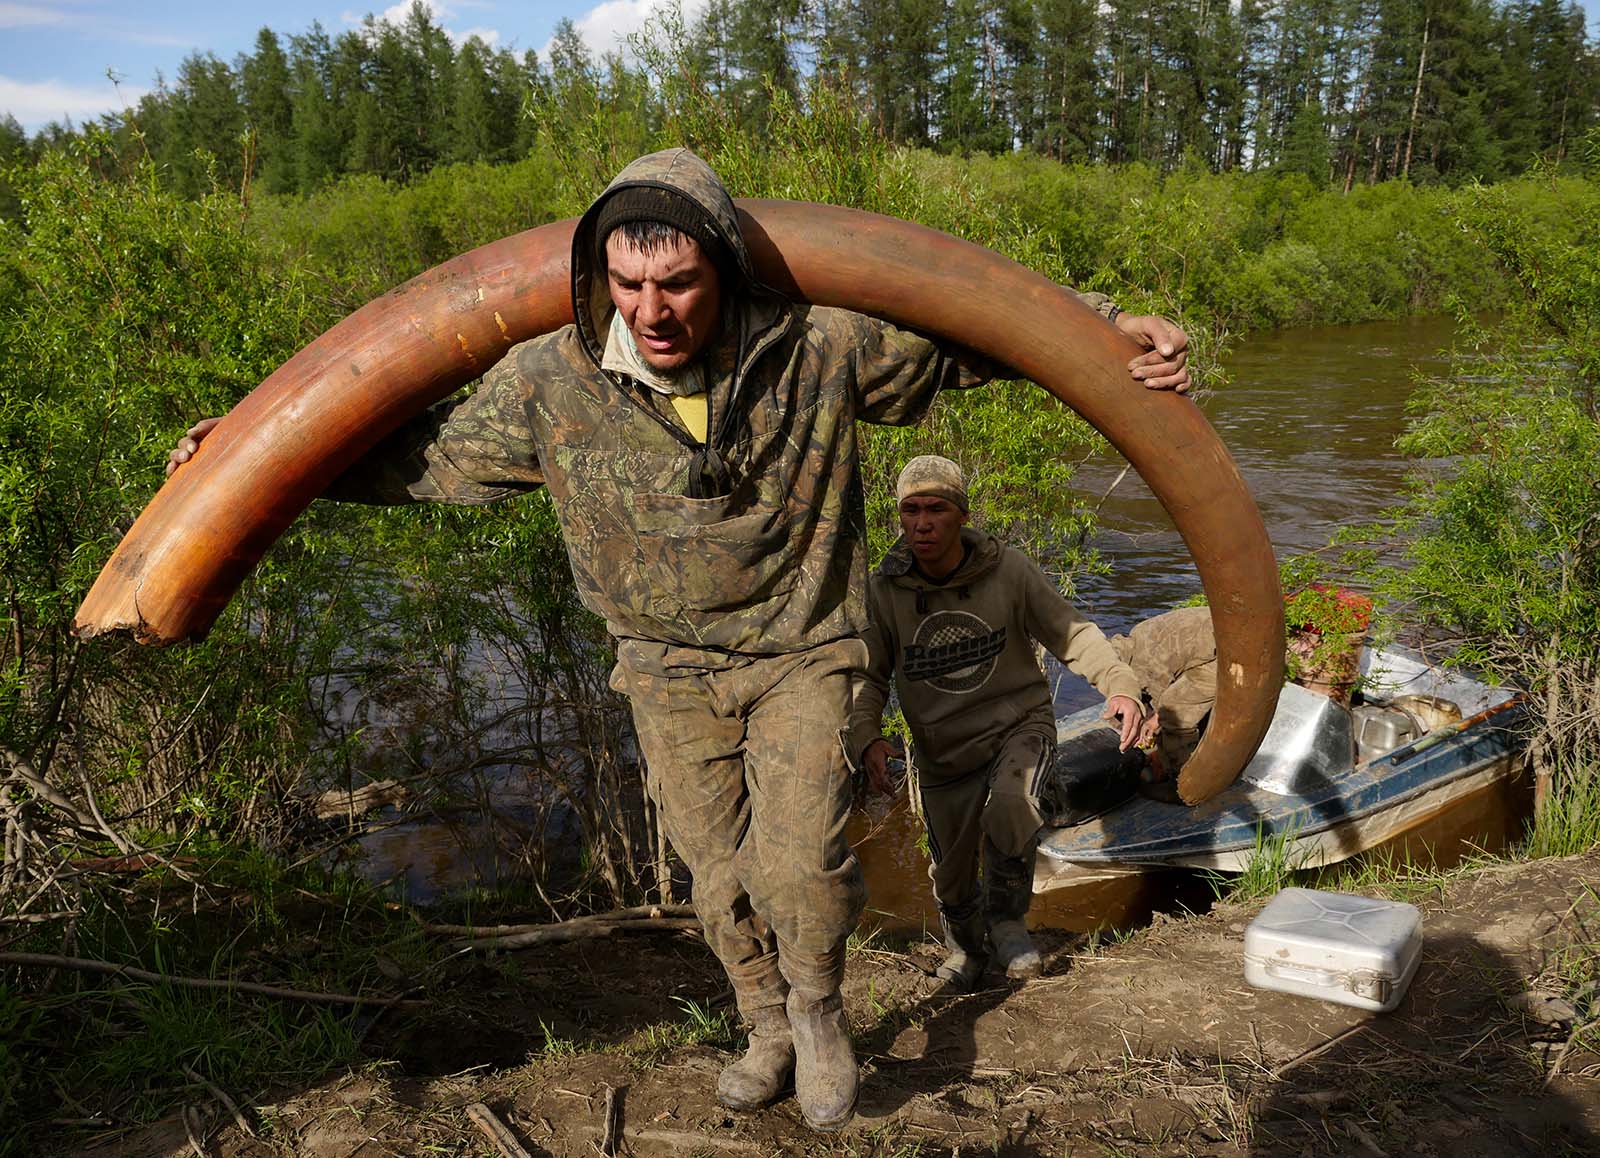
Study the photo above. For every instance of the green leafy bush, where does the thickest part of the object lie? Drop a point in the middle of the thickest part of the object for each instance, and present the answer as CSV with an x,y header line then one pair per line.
x,y
1500,531
125,313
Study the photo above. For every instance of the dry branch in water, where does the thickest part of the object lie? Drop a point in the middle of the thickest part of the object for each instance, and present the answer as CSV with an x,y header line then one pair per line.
x,y
337,803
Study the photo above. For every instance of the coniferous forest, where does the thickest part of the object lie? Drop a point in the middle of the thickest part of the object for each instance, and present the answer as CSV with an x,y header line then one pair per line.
x,y
1344,91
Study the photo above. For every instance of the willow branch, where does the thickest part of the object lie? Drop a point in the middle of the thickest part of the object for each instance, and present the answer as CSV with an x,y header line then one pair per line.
x,y
85,965
637,913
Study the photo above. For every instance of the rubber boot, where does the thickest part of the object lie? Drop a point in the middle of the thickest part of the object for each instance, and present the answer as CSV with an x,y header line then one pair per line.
x,y
963,936
1014,950
826,1080
1008,885
762,1074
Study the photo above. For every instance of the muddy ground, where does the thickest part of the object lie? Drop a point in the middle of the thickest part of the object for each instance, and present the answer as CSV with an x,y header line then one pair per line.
x,y
1153,1045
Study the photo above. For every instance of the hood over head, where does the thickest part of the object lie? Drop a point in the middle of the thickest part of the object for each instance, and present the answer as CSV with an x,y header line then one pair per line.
x,y
692,198
899,566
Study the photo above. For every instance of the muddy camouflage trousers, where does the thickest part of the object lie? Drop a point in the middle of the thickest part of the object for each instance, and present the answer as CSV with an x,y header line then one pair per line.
x,y
745,763
990,816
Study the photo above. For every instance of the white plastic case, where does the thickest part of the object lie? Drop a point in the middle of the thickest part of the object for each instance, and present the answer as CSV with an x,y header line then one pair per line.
x,y
1335,946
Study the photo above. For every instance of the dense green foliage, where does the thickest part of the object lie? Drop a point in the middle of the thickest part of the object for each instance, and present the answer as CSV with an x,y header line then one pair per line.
x,y
124,313
1254,250
1344,92
1498,543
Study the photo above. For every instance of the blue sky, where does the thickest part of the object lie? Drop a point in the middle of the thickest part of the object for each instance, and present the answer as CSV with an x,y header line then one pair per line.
x,y
54,54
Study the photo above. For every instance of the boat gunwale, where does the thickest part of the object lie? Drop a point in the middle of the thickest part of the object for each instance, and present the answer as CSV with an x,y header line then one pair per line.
x,y
1308,808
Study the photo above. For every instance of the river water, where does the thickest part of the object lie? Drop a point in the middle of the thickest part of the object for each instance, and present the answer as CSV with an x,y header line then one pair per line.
x,y
1311,417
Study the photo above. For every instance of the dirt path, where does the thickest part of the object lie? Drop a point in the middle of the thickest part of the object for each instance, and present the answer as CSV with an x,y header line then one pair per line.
x,y
1151,1046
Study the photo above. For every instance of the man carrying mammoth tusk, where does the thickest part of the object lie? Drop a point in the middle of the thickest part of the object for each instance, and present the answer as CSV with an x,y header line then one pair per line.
x,y
697,434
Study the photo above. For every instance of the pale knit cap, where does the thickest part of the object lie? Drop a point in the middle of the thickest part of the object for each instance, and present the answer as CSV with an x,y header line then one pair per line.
x,y
929,474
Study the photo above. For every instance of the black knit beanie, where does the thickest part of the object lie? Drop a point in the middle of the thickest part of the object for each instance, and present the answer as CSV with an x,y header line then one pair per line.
x,y
654,203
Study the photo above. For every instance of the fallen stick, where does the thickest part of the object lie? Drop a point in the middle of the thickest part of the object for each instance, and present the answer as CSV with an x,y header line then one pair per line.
x,y
694,1141
133,863
557,934
612,1120
216,1092
84,965
1365,1140
1561,1057
1316,1051
38,918
194,1129
496,1131
1427,1059
637,913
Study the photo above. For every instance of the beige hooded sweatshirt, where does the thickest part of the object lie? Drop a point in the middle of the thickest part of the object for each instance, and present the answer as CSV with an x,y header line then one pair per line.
x,y
961,653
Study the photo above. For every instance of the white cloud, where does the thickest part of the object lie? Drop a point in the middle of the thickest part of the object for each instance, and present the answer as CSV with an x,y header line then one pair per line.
x,y
443,14
29,16
36,103
396,13
606,27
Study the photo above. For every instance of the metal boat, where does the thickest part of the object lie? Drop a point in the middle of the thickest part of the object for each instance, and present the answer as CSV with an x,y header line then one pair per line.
x,y
1328,781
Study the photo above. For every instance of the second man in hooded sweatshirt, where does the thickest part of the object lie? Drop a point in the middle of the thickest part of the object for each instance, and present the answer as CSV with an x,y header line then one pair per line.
x,y
954,616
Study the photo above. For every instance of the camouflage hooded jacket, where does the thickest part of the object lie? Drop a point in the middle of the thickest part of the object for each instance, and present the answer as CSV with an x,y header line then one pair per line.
x,y
773,565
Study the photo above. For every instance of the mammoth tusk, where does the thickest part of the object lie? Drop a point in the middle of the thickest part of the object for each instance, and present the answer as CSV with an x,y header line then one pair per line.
x,y
320,411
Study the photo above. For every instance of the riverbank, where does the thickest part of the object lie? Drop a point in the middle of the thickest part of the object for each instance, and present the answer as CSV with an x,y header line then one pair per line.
x,y
1152,1044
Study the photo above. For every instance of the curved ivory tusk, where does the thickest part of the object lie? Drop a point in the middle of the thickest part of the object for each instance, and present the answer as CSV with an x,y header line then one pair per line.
x,y
280,447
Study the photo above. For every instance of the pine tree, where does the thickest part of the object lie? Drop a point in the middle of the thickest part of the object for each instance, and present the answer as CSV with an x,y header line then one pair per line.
x,y
475,116
759,40
13,150
1069,125
1557,38
518,84
963,92
208,125
269,111
319,131
352,70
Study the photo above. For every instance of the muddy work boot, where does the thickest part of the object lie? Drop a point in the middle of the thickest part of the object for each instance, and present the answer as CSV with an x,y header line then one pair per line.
x,y
1008,888
825,1075
1014,950
762,1074
963,936
961,970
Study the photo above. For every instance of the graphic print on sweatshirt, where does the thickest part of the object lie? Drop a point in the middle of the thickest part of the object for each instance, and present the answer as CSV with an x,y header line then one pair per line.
x,y
954,651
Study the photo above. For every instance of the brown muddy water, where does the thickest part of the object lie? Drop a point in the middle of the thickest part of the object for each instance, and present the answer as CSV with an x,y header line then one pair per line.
x,y
1311,416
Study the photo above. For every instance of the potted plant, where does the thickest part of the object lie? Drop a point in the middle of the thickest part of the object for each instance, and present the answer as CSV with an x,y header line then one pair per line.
x,y
1326,628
